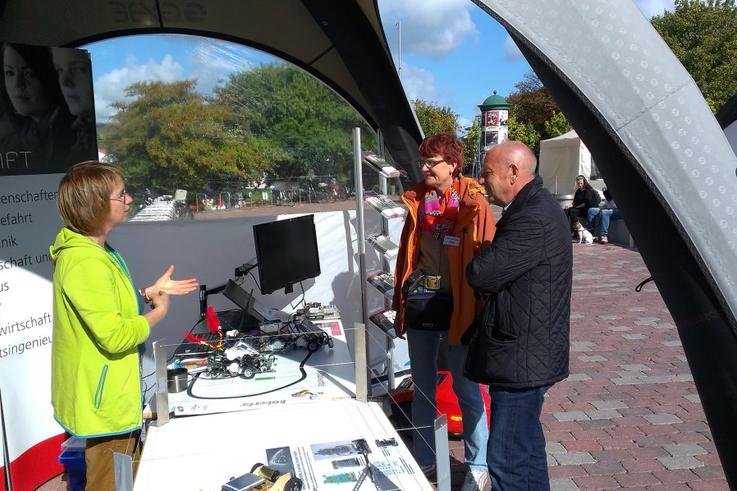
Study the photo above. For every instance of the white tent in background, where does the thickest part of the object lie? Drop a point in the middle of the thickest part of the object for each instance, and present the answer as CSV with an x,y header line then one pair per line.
x,y
561,159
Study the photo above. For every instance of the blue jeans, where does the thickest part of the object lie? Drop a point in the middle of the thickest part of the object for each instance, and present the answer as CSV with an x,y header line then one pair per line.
x,y
606,215
516,452
591,216
423,354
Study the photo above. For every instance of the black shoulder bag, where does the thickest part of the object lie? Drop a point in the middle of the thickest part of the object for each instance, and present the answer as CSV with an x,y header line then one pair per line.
x,y
426,309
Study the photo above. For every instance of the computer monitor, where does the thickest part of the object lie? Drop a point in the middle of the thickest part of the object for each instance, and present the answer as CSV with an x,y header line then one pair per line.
x,y
286,251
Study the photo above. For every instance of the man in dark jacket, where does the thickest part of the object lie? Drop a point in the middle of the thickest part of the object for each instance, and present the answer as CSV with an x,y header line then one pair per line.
x,y
521,347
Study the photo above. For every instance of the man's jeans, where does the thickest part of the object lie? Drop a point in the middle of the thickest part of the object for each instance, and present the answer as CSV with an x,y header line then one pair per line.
x,y
423,353
606,215
516,452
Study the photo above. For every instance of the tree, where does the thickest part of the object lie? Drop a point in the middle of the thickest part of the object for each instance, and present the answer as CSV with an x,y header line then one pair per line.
x,y
524,132
535,114
435,119
303,118
556,125
471,144
168,136
703,35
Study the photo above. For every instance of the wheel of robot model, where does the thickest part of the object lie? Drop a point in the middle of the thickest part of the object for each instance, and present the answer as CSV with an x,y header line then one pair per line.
x,y
330,342
249,373
312,346
293,484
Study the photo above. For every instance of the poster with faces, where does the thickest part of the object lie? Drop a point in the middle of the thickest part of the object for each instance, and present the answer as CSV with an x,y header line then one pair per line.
x,y
47,116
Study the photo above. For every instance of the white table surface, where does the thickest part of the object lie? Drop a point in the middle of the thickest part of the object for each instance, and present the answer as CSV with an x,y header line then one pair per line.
x,y
330,375
203,452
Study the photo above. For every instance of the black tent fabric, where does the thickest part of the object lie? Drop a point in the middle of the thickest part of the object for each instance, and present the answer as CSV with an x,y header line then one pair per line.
x,y
340,43
634,122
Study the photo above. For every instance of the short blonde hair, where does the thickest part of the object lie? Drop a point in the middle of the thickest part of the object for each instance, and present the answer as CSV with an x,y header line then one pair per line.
x,y
84,195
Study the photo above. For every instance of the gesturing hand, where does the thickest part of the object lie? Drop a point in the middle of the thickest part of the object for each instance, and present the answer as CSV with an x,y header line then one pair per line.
x,y
171,287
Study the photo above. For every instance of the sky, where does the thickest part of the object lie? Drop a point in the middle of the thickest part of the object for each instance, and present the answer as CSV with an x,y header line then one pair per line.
x,y
452,54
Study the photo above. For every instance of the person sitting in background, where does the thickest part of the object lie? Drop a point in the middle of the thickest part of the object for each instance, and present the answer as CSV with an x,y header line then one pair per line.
x,y
602,215
584,198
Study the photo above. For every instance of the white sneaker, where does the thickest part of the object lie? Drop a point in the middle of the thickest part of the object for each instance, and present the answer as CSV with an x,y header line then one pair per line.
x,y
476,480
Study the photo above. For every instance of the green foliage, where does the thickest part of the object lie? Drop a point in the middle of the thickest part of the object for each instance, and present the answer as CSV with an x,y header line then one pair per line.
x,y
524,132
435,119
170,137
703,35
532,103
533,114
471,144
556,125
303,118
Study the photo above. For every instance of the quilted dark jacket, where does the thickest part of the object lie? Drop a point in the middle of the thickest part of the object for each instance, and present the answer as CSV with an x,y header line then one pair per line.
x,y
527,271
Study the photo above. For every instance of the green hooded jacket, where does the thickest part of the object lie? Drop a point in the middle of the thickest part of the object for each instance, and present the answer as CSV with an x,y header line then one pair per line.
x,y
95,374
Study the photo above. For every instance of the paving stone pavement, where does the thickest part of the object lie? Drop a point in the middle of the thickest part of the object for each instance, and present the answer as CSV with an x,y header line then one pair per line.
x,y
629,415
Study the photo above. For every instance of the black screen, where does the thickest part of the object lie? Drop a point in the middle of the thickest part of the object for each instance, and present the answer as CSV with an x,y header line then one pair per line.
x,y
286,251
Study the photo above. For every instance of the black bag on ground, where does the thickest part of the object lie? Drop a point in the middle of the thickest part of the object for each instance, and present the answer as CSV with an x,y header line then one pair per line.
x,y
428,310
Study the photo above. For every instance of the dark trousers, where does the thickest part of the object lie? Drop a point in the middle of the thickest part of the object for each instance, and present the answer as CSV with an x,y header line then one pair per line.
x,y
516,451
576,214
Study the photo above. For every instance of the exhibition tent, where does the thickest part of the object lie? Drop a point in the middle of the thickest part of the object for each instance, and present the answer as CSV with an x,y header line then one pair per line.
x,y
664,156
562,158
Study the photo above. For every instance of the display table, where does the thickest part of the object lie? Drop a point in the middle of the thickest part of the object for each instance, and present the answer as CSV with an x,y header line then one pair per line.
x,y
314,439
298,376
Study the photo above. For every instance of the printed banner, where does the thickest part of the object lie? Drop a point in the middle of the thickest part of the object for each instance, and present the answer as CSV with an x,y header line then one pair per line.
x,y
46,125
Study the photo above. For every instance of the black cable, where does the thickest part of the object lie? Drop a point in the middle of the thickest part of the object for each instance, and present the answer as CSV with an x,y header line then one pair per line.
x,y
638,288
303,376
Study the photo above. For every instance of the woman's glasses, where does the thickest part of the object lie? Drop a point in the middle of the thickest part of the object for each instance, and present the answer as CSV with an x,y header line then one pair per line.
x,y
430,163
121,197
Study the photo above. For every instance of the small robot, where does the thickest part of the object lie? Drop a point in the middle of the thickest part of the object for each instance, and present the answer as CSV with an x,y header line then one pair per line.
x,y
262,478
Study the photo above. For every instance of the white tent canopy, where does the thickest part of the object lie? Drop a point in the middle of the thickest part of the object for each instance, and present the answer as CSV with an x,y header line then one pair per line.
x,y
562,159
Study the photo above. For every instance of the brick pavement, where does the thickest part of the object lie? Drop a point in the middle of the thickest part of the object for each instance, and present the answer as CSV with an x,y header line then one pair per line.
x,y
629,415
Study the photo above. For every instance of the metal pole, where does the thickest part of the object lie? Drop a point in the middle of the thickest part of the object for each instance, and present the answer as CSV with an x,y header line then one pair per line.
x,y
6,451
360,234
399,35
162,391
361,366
442,453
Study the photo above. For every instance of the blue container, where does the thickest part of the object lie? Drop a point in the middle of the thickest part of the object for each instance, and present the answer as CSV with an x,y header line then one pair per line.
x,y
73,461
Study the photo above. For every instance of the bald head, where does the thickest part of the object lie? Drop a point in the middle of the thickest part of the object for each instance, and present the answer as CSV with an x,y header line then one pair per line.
x,y
508,167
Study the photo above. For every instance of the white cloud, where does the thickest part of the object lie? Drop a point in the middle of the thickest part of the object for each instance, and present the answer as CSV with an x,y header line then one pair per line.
x,y
654,7
110,87
511,51
213,60
429,27
419,83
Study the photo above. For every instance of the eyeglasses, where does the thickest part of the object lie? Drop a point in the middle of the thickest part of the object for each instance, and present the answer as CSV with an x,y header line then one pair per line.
x,y
121,197
430,163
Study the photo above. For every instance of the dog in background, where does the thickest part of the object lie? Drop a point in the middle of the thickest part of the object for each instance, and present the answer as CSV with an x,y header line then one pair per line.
x,y
582,235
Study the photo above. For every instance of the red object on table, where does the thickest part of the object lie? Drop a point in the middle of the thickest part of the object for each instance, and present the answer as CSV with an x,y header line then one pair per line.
x,y
211,319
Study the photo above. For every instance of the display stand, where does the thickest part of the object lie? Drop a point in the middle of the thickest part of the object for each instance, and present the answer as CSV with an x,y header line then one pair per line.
x,y
382,280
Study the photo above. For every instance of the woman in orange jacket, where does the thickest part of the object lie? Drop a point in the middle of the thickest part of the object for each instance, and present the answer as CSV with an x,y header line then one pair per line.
x,y
448,220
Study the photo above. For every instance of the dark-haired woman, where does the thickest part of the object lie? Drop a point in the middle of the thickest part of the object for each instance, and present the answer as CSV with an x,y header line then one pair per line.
x,y
44,124
584,198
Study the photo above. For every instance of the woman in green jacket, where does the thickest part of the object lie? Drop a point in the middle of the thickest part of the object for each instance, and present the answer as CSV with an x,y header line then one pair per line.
x,y
99,320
